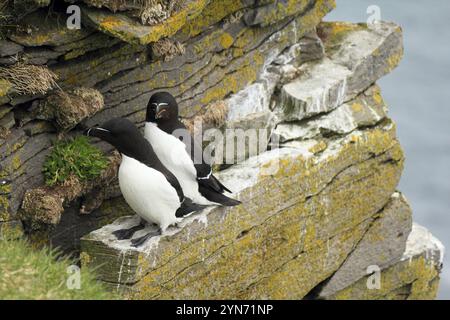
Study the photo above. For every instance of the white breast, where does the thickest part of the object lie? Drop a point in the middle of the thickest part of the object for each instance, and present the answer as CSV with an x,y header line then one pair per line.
x,y
172,153
148,192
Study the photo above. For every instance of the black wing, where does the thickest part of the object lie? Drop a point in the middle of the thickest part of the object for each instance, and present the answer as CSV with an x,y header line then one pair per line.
x,y
217,197
188,207
204,171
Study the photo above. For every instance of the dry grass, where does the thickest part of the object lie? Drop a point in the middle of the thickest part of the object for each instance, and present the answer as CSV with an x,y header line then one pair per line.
x,y
168,49
45,207
29,79
70,108
214,117
4,133
150,12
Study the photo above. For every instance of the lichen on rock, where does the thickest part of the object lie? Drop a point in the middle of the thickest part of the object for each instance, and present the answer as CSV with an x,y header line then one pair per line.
x,y
319,193
132,31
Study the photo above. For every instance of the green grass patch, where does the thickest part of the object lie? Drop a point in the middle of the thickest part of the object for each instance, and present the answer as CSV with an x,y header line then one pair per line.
x,y
73,157
26,273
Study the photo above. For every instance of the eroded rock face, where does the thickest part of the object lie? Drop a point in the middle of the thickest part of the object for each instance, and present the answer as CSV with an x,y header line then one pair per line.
x,y
129,30
383,245
222,55
277,230
414,277
362,56
319,199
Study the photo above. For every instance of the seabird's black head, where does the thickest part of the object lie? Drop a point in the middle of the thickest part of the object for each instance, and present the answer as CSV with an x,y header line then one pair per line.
x,y
162,108
123,135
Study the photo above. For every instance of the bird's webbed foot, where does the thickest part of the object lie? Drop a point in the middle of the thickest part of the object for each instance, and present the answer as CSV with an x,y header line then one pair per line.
x,y
141,240
128,233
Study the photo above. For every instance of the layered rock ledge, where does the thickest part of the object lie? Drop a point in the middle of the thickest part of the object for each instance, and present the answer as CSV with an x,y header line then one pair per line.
x,y
321,216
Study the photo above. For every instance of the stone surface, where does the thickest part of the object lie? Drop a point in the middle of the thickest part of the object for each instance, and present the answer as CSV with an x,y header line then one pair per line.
x,y
290,231
382,245
271,12
7,120
40,56
357,57
367,109
8,48
24,7
34,33
415,277
5,86
249,111
319,193
132,31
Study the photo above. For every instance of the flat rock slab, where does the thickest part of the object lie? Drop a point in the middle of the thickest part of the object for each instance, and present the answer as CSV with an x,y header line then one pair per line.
x,y
414,277
53,32
367,109
357,56
274,237
383,245
8,48
273,11
132,31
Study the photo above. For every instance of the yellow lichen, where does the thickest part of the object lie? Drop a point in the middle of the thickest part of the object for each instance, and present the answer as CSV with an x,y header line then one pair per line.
x,y
393,61
213,13
226,40
357,107
5,86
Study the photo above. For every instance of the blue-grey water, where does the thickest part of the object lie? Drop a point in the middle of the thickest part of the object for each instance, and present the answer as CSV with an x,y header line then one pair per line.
x,y
418,95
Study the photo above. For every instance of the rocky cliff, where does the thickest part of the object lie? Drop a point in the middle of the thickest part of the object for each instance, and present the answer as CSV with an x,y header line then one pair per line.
x,y
321,216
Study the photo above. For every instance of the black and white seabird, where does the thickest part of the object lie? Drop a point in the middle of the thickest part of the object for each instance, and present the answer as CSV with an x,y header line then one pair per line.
x,y
149,188
183,158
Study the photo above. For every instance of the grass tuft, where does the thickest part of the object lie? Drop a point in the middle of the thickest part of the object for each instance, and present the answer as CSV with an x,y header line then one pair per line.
x,y
26,273
75,157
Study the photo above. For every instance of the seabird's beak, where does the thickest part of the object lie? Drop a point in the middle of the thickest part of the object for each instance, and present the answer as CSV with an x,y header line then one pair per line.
x,y
95,131
159,111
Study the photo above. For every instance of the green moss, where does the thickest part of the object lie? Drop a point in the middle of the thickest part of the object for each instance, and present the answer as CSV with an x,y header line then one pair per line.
x,y
74,157
36,274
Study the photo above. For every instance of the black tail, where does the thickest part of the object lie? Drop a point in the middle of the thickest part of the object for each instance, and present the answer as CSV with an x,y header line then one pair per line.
x,y
222,187
217,197
188,207
213,183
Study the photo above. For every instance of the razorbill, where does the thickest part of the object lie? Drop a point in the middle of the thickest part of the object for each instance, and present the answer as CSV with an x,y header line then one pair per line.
x,y
149,188
183,158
